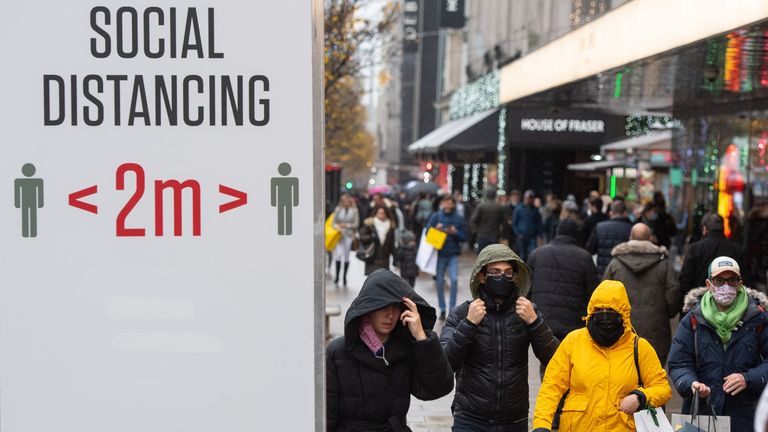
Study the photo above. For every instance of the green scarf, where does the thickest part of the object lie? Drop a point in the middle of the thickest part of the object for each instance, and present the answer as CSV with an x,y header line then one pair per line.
x,y
724,322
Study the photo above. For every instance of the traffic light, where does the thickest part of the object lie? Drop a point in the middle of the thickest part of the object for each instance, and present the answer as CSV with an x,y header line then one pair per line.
x,y
348,185
429,166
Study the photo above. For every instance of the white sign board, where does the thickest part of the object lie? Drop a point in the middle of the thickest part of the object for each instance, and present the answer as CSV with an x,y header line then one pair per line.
x,y
159,178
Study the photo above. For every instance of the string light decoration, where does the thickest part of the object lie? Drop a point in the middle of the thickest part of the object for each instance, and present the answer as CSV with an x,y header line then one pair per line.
x,y
583,12
501,150
449,177
478,96
638,125
764,69
476,192
732,68
714,60
465,185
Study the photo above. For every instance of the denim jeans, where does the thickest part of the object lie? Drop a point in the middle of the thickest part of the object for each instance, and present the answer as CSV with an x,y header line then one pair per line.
x,y
464,424
451,263
525,245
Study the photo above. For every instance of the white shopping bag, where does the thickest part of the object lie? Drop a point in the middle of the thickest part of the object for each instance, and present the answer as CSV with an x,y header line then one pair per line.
x,y
426,256
652,420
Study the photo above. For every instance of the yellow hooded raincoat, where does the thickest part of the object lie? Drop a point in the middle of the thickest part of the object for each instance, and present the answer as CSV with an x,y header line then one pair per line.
x,y
598,378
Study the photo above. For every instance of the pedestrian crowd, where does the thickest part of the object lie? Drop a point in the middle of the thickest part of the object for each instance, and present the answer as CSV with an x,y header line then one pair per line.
x,y
593,294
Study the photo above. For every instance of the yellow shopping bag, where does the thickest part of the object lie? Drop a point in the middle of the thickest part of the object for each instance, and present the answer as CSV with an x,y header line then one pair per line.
x,y
332,235
436,238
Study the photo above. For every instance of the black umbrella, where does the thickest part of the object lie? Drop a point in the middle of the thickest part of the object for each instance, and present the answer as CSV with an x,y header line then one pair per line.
x,y
418,187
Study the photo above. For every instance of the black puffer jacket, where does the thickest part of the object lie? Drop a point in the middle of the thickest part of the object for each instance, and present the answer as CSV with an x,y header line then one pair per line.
x,y
564,278
363,392
605,237
490,360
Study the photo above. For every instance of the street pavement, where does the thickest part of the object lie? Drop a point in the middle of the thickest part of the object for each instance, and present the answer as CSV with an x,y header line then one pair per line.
x,y
431,416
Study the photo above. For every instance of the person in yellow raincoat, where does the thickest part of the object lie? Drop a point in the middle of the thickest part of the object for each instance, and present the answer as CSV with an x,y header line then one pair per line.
x,y
598,367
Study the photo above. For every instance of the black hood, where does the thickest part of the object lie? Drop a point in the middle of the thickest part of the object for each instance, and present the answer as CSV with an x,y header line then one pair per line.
x,y
381,289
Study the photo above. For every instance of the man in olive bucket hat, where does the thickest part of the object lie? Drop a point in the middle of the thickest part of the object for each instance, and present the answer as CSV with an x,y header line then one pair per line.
x,y
486,341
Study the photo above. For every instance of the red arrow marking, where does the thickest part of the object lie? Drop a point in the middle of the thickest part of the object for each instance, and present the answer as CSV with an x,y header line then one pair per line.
x,y
74,199
241,198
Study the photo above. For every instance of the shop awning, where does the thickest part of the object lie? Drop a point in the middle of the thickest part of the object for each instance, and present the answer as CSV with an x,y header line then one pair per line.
x,y
627,163
476,133
656,140
594,166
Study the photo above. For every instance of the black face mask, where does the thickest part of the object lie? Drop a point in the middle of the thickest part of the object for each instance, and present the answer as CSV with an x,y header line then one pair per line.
x,y
500,287
605,327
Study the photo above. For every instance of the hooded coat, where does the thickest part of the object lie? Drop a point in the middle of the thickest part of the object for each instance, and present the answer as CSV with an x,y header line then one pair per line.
x,y
490,359
363,392
598,378
747,353
651,282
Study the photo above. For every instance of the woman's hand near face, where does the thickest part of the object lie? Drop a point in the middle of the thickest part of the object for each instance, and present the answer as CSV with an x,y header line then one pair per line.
x,y
412,319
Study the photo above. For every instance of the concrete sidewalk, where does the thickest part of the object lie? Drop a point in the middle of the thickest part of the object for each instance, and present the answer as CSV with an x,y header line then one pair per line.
x,y
433,416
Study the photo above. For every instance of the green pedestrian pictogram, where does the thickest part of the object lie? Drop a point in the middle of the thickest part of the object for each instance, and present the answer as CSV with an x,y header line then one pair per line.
x,y
28,196
285,196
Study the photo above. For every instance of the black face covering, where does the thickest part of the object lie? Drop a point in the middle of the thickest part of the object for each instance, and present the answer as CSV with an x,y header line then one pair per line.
x,y
500,287
605,327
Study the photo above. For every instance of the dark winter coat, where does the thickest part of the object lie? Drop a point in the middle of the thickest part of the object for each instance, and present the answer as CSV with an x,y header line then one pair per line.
x,y
699,255
365,394
757,242
490,360
744,354
408,267
589,225
605,237
664,228
383,251
649,277
453,242
488,219
526,221
564,277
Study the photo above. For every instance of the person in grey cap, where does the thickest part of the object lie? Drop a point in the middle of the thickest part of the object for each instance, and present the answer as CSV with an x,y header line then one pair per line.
x,y
720,350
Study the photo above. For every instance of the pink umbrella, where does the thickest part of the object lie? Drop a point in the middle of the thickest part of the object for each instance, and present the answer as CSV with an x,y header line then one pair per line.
x,y
382,189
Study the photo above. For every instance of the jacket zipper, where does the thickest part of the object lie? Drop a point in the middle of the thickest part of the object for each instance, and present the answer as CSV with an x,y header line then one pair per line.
x,y
500,359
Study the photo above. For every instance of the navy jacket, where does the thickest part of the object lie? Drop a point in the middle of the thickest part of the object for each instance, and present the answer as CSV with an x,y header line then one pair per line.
x,y
452,244
605,236
526,221
744,354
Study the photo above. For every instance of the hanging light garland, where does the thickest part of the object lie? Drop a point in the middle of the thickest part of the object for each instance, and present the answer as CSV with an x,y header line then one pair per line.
x,y
501,151
478,96
465,185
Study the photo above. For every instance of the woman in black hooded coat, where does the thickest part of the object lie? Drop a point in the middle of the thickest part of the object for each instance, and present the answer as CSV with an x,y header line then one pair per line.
x,y
388,353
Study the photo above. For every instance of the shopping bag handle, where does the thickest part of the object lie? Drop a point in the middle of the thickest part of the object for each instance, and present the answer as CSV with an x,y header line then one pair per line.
x,y
695,410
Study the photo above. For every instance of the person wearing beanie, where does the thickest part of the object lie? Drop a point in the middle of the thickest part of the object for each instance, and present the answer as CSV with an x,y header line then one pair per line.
x,y
720,349
564,276
651,282
486,340
387,354
605,371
